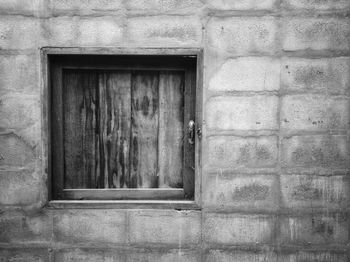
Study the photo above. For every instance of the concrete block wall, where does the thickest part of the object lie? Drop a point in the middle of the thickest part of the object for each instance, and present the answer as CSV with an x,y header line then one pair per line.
x,y
276,168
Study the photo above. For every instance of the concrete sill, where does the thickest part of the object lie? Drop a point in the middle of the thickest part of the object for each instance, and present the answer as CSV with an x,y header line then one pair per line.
x,y
123,204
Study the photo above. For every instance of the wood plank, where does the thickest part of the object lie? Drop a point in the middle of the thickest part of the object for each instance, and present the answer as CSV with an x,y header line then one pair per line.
x,y
118,91
189,150
124,193
89,120
144,135
124,68
124,204
102,157
79,106
198,86
73,137
171,132
56,122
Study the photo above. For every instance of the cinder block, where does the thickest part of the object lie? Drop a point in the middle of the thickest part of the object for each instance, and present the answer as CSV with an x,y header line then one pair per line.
x,y
241,256
315,229
22,7
329,75
315,151
15,152
92,31
24,255
316,4
232,229
19,32
235,152
19,73
166,227
242,112
24,187
240,191
32,136
316,34
100,31
19,111
115,255
89,255
161,6
247,74
310,191
88,226
241,4
314,112
318,256
174,255
83,7
60,31
163,30
242,36
18,228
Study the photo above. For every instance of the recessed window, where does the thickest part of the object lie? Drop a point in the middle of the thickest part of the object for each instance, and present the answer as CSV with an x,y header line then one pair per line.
x,y
123,127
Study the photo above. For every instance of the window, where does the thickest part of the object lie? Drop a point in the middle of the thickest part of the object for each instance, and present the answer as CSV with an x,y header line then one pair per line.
x,y
123,127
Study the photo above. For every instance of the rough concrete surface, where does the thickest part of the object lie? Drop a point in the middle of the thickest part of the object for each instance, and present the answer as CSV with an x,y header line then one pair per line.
x,y
275,148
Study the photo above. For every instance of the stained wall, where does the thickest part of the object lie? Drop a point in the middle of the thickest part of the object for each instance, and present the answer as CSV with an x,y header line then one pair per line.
x,y
275,146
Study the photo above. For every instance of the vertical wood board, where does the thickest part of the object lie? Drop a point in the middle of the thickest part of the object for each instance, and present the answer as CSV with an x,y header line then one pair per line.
x,y
57,168
171,133
189,150
144,135
79,105
118,97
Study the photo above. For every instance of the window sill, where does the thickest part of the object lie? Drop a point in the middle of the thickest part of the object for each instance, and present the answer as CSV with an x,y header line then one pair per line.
x,y
123,204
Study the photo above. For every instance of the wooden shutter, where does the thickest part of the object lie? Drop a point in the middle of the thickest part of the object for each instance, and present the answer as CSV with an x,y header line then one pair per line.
x,y
123,130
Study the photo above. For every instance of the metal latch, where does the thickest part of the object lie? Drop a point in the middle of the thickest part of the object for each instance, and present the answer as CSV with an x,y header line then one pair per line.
x,y
192,131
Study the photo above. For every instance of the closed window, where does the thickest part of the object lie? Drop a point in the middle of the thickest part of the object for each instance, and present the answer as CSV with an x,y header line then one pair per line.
x,y
123,127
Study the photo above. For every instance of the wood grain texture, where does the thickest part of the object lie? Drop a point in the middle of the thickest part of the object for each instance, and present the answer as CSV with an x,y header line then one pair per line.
x,y
126,129
189,150
171,132
88,117
102,157
118,91
114,129
144,135
114,150
124,193
57,168
124,204
79,109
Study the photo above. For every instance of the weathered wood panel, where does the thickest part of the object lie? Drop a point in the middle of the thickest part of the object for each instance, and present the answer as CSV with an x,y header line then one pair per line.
x,y
144,144
125,126
189,150
126,130
89,118
56,126
125,193
101,157
79,110
118,98
171,133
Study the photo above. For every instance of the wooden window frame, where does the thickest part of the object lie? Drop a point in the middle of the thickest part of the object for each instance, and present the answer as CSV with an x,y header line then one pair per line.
x,y
162,198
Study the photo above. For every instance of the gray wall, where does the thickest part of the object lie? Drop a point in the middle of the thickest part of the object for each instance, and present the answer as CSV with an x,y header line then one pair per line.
x,y
276,162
